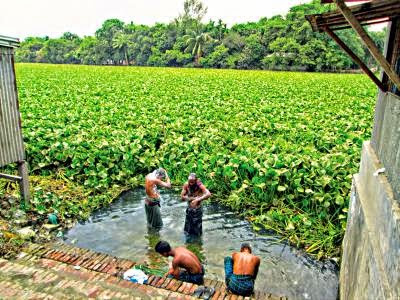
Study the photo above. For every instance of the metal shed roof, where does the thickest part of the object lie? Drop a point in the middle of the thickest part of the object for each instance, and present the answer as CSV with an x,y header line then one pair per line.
x,y
10,42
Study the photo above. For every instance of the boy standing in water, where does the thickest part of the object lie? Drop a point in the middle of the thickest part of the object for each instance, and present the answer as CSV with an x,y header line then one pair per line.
x,y
194,192
241,271
152,201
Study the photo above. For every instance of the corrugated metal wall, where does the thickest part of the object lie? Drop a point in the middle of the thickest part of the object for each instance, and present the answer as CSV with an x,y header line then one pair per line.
x,y
11,143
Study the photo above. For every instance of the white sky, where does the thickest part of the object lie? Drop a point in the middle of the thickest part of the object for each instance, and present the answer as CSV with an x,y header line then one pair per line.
x,y
22,18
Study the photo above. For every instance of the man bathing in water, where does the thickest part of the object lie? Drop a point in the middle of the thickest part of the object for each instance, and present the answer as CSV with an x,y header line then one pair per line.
x,y
152,202
194,192
241,271
182,259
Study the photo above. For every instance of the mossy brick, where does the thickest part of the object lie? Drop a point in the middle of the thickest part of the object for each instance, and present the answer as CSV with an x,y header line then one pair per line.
x,y
58,256
171,284
45,253
93,292
187,288
160,282
193,288
166,282
64,258
113,270
55,254
91,260
223,296
150,279
107,294
174,296
216,295
214,283
182,287
218,285
113,280
176,286
127,284
155,280
207,282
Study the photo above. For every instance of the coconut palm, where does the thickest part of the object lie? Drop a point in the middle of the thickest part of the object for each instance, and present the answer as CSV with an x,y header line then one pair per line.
x,y
195,43
121,42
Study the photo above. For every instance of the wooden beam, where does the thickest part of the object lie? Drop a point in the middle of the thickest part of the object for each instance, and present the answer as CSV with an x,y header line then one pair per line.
x,y
24,183
11,177
364,13
356,59
368,42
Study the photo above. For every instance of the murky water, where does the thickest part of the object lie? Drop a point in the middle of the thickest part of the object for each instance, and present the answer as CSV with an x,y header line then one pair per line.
x,y
121,230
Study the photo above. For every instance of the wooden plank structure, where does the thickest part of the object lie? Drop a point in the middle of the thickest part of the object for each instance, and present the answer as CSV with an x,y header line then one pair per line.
x,y
370,12
11,142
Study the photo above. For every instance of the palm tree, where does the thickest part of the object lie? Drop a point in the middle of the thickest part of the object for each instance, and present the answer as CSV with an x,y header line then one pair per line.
x,y
121,42
195,43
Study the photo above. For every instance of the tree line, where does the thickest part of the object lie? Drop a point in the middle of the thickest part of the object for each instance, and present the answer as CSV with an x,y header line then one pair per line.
x,y
278,43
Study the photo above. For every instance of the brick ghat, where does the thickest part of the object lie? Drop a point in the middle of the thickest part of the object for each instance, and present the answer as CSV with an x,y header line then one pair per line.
x,y
54,269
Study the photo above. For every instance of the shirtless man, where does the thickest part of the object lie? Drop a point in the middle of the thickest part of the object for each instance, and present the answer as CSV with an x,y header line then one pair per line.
x,y
241,271
194,192
152,202
182,259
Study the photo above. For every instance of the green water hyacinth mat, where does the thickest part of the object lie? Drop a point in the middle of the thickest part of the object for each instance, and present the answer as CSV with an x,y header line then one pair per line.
x,y
278,147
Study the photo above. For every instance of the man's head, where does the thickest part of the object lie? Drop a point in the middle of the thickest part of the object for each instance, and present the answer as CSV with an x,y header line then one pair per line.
x,y
245,247
192,179
163,248
160,173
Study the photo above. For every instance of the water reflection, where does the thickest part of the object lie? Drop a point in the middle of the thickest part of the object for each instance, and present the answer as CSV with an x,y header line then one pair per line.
x,y
121,230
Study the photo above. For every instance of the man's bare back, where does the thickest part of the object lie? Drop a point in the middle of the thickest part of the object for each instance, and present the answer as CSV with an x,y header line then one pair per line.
x,y
245,263
186,259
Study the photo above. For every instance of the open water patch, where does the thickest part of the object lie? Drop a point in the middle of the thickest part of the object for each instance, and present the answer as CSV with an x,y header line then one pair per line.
x,y
121,230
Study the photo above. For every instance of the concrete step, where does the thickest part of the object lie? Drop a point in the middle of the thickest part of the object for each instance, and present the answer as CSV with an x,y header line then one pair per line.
x,y
106,269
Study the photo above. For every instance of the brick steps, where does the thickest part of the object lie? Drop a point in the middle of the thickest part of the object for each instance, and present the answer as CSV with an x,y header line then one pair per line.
x,y
44,279
101,273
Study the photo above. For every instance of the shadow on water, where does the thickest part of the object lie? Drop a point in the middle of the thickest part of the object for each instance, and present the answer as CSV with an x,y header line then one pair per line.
x,y
121,230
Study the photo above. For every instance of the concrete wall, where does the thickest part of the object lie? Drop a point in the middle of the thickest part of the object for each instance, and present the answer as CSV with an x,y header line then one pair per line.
x,y
386,137
371,248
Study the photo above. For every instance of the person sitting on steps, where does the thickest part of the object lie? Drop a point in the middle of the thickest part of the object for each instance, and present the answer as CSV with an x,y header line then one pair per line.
x,y
241,271
182,259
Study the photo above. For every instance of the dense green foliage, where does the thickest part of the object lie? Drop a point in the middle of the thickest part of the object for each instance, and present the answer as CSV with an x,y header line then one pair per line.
x,y
280,147
284,43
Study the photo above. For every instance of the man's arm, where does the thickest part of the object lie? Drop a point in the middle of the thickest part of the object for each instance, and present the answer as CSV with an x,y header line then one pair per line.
x,y
256,267
183,193
205,195
174,271
166,183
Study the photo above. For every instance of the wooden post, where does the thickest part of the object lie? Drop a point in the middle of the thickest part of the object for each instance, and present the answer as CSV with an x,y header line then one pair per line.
x,y
24,182
368,42
355,58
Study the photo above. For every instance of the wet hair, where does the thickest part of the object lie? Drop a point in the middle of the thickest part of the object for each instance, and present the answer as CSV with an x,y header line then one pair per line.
x,y
192,176
162,247
160,172
245,246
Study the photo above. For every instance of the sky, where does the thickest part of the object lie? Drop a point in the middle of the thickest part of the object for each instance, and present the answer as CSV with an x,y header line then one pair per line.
x,y
23,18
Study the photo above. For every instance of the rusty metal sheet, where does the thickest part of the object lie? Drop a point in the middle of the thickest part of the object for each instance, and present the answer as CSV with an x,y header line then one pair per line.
x,y
11,142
